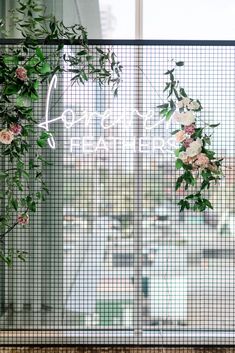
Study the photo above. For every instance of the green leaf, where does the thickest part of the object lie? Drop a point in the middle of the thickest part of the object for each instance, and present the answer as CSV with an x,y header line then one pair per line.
x,y
207,140
179,163
45,69
23,101
3,175
167,86
214,125
183,204
40,54
11,89
169,114
11,60
179,63
21,255
178,182
169,72
165,105
82,52
41,142
177,152
182,92
14,203
210,154
175,132
207,203
32,206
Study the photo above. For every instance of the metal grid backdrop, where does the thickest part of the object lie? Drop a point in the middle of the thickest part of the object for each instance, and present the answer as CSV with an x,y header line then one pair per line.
x,y
111,259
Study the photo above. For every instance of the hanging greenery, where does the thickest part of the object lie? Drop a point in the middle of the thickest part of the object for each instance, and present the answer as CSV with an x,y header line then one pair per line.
x,y
24,70
194,157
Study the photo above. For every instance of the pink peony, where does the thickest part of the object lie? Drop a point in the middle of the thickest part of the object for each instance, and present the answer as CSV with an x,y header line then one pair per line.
x,y
189,129
23,218
202,160
180,136
16,128
21,73
6,137
187,142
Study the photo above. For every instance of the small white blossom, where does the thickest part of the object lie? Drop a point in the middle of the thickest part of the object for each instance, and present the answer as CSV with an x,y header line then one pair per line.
x,y
180,104
194,105
186,101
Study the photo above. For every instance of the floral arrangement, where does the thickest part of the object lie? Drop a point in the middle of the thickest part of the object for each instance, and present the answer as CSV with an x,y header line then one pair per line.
x,y
23,71
198,162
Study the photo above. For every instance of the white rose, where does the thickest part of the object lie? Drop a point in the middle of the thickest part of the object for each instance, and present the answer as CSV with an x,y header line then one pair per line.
x,y
180,104
194,148
194,105
186,101
185,119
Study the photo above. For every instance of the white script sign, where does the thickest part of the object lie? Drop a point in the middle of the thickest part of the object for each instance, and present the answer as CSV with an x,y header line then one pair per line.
x,y
89,144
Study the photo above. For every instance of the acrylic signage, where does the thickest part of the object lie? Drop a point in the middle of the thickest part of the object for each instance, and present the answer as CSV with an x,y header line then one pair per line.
x,y
89,144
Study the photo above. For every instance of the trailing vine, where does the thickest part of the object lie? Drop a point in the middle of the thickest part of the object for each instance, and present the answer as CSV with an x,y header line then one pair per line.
x,y
24,70
194,157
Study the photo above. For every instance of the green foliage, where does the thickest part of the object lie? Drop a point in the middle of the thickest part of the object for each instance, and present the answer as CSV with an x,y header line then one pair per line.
x,y
19,91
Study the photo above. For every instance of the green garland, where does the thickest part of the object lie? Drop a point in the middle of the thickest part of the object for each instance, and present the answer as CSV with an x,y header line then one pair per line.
x,y
198,162
23,71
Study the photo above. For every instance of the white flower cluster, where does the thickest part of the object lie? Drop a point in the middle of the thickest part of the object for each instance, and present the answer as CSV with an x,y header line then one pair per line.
x,y
188,103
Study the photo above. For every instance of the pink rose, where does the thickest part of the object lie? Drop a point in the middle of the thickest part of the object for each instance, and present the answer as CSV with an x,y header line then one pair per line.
x,y
16,128
21,73
6,137
189,129
23,218
187,142
202,160
180,136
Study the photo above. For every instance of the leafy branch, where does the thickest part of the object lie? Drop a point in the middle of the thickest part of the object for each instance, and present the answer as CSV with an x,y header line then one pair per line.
x,y
23,71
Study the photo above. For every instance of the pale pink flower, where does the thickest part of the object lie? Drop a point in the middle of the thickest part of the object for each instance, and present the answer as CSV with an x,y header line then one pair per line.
x,y
202,160
180,136
21,73
6,137
16,128
177,116
190,129
185,158
186,118
187,142
23,218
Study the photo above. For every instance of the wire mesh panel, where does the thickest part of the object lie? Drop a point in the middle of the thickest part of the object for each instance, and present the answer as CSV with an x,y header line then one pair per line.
x,y
109,252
